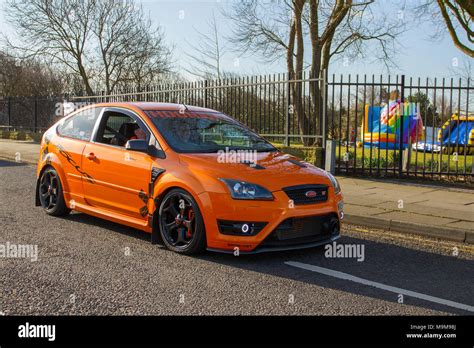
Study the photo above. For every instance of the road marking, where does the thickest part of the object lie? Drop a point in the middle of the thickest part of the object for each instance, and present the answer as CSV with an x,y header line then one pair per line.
x,y
345,276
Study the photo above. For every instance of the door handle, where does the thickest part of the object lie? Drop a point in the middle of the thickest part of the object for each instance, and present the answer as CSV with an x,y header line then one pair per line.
x,y
91,156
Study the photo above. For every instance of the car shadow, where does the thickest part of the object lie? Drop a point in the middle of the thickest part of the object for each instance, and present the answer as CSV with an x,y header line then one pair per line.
x,y
7,163
109,225
445,277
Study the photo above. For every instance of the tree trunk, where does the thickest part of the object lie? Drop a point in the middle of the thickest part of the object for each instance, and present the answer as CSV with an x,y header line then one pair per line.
x,y
315,92
298,74
85,80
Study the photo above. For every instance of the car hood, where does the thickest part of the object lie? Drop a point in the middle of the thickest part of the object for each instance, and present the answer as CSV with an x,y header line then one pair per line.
x,y
274,170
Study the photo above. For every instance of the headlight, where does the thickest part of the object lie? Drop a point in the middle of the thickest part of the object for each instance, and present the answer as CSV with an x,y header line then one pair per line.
x,y
245,190
335,183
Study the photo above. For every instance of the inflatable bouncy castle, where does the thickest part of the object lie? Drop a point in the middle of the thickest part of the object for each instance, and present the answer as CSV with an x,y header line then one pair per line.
x,y
457,134
382,126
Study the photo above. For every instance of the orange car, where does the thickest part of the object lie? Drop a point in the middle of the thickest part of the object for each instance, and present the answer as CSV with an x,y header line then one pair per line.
x,y
193,178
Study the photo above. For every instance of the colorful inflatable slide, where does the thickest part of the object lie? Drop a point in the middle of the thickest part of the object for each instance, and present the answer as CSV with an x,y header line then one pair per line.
x,y
457,134
382,126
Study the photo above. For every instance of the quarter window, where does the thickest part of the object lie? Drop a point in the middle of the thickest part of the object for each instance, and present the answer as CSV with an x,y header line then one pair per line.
x,y
79,126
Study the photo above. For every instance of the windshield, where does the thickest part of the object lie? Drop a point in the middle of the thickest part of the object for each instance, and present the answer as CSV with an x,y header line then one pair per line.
x,y
192,132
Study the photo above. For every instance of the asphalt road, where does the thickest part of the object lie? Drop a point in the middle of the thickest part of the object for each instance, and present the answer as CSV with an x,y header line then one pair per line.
x,y
89,266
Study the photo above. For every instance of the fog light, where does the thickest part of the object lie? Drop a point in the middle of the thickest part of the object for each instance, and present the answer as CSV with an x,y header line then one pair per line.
x,y
238,228
340,209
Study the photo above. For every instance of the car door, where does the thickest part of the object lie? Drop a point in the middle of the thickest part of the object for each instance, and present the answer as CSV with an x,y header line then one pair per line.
x,y
74,132
120,177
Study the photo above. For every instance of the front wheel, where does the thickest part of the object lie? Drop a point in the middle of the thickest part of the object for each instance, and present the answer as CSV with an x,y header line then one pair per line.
x,y
51,194
181,223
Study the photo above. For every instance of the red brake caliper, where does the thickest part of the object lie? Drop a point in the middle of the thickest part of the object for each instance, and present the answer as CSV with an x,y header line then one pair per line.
x,y
189,233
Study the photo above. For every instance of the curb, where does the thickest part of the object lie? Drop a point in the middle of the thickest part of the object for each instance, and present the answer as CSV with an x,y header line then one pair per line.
x,y
453,234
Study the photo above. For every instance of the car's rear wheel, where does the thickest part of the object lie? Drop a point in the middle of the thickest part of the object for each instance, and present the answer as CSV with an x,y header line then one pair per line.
x,y
51,193
181,223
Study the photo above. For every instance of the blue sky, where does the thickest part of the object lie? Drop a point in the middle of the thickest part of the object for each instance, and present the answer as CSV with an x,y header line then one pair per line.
x,y
419,57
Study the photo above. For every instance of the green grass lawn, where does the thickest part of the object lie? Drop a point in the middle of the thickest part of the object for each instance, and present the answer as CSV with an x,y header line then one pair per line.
x,y
282,144
418,160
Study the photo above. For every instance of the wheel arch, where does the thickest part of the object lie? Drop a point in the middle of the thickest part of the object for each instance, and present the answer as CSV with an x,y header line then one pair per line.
x,y
50,162
158,198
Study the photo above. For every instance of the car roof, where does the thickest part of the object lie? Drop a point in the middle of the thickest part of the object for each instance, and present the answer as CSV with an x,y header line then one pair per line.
x,y
153,106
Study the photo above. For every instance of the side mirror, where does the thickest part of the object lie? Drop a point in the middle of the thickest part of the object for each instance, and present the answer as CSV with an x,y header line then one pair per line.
x,y
140,145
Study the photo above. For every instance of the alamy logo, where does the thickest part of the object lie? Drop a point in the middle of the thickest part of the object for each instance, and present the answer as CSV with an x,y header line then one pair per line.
x,y
343,251
37,331
237,156
13,251
65,108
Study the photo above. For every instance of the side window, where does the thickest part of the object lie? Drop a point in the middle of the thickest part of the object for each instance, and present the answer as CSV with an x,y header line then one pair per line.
x,y
117,128
79,126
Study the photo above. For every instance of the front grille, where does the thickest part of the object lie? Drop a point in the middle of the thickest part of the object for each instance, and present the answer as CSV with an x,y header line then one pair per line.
x,y
294,231
307,194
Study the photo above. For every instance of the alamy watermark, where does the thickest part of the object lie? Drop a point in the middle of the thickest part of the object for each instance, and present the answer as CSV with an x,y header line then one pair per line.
x,y
237,156
345,251
19,251
65,108
37,331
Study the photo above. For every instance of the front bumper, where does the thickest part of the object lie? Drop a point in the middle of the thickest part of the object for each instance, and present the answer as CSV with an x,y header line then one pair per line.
x,y
259,250
218,206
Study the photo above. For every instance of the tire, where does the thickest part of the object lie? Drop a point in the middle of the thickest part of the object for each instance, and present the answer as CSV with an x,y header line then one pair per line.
x,y
181,224
51,194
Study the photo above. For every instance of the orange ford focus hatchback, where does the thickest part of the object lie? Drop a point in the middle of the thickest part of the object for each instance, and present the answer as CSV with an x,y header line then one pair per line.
x,y
193,178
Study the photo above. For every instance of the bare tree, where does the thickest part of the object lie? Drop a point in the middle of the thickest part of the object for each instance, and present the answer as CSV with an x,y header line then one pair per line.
x,y
274,32
20,78
56,30
461,11
335,28
465,75
130,48
152,63
457,16
97,40
206,56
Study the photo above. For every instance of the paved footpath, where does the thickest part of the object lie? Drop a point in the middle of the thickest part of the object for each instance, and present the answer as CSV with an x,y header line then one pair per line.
x,y
436,211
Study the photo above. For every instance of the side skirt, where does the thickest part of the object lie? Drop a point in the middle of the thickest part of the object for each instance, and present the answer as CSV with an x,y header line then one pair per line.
x,y
114,217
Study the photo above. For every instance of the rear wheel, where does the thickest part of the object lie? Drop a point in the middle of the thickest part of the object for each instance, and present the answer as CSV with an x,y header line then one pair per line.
x,y
51,194
181,223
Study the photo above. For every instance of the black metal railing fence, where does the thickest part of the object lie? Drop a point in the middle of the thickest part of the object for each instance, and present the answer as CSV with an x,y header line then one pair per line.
x,y
429,135
426,132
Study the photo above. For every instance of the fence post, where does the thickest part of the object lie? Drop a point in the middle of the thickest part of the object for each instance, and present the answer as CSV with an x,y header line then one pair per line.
x,y
36,114
402,100
323,89
205,93
288,108
330,158
9,112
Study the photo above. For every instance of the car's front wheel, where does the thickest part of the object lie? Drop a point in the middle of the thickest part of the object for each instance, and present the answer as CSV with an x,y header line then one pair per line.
x,y
181,223
51,193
